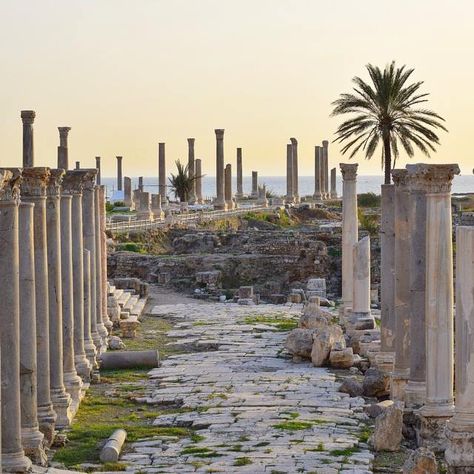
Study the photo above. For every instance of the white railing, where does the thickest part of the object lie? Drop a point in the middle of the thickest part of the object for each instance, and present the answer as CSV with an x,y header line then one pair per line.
x,y
181,218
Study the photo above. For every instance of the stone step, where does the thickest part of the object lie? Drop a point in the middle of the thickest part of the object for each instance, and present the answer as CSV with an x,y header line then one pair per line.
x,y
132,301
118,293
138,308
122,301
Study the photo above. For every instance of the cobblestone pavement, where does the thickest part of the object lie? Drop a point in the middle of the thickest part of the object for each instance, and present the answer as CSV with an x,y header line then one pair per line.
x,y
253,409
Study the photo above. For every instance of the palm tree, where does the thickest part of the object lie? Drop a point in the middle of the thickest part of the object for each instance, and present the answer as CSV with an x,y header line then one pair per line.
x,y
182,183
388,110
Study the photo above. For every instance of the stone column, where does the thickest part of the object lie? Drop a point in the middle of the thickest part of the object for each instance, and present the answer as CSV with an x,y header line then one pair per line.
x,y
98,168
72,381
162,172
228,187
220,201
317,173
101,329
294,152
385,359
72,184
460,429
31,436
60,398
323,173
415,392
144,207
325,151
13,456
240,189
90,329
127,191
191,171
119,173
140,183
255,184
88,229
78,165
63,159
401,370
33,189
156,207
199,198
439,406
290,195
28,117
333,184
350,231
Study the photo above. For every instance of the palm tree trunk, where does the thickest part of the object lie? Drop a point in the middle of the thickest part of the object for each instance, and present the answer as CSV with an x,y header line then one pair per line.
x,y
387,159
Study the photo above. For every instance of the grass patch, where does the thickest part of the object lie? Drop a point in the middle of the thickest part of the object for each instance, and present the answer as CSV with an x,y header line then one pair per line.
x,y
200,452
291,414
237,448
280,321
319,448
197,438
212,396
344,452
261,444
243,461
364,434
293,425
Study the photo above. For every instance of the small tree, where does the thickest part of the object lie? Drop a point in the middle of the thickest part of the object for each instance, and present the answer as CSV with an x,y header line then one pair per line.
x,y
181,183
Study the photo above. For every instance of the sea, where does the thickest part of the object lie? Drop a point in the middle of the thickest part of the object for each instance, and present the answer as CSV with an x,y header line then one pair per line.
x,y
277,184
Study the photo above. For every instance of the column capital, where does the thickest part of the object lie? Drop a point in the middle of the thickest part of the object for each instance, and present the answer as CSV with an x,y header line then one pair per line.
x,y
349,171
35,181
219,133
400,177
325,143
10,180
54,183
191,141
88,182
317,148
73,182
294,141
119,158
28,116
432,178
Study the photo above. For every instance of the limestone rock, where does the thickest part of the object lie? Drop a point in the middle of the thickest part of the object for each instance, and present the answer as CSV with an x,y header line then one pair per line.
x,y
300,342
352,387
313,321
387,434
323,342
421,461
376,409
376,383
341,358
115,343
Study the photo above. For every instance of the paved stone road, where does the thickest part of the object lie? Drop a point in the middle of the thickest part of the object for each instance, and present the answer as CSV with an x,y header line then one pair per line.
x,y
255,410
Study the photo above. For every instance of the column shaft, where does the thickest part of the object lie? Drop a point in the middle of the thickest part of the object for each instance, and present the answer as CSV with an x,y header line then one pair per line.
x,y
220,185
240,190
333,184
191,171
361,283
162,172
326,167
28,117
294,152
103,257
98,168
289,173
317,173
255,184
119,173
198,182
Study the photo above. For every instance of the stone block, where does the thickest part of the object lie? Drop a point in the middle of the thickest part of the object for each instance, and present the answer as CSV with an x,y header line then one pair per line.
x,y
387,434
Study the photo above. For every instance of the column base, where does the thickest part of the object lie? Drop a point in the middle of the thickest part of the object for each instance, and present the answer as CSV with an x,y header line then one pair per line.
x,y
230,205
62,406
433,420
415,394
220,206
97,341
91,353
398,383
317,197
73,384
47,423
33,444
83,367
459,453
15,462
385,361
361,320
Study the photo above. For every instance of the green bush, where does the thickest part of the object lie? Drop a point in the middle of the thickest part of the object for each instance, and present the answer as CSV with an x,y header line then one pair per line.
x,y
131,247
368,200
369,222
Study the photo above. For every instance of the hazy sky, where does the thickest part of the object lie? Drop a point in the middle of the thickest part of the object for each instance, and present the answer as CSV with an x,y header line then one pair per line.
x,y
126,75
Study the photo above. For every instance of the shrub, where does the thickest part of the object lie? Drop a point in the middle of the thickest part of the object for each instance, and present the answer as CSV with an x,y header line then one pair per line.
x,y
368,200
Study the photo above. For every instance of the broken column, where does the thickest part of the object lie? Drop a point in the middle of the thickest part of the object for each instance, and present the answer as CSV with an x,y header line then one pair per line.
x,y
28,117
439,406
317,173
162,172
156,208
401,285
191,171
350,231
199,198
33,189
254,184
144,207
240,192
140,184
289,173
262,196
98,168
294,153
219,203
333,184
119,173
460,429
63,159
228,187
13,456
127,192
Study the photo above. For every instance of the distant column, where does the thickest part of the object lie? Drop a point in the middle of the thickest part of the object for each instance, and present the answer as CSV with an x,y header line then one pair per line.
x,y
290,194
33,189
228,187
199,198
325,150
13,456
294,145
220,185
317,173
240,191
127,191
63,160
333,184
191,171
119,173
162,172
78,165
28,117
255,184
156,207
350,231
99,172
439,406
140,183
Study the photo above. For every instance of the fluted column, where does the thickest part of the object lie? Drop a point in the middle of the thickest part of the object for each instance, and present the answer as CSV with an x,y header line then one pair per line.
x,y
33,189
401,370
90,330
13,456
255,193
72,381
28,117
240,189
439,406
317,173
119,173
294,152
333,184
31,436
63,158
199,197
191,171
220,185
162,172
99,171
72,184
460,429
350,231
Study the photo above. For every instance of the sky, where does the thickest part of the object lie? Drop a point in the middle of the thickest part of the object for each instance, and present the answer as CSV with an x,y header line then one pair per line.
x,y
127,74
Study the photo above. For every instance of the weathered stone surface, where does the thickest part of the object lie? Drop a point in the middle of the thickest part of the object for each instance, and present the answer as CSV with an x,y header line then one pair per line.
x,y
341,358
352,387
421,461
376,409
376,383
115,343
299,343
323,341
387,434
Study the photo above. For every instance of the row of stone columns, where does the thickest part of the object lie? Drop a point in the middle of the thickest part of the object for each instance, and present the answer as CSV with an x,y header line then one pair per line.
x,y
323,188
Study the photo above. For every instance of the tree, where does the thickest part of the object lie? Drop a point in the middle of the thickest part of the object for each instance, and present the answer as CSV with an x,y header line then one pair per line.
x,y
182,183
388,111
